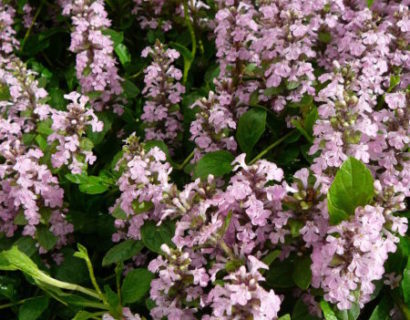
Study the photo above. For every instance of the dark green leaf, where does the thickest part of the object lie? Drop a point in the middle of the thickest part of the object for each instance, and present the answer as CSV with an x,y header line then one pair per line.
x,y
351,188
116,37
136,285
217,163
382,310
113,301
325,37
154,236
72,269
250,129
279,274
405,283
33,308
302,275
130,89
46,238
122,251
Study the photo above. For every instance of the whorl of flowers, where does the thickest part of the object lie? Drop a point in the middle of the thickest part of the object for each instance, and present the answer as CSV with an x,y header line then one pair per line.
x,y
144,180
242,297
149,14
353,121
69,127
163,93
28,17
8,41
155,14
95,64
213,127
352,257
229,226
29,193
285,42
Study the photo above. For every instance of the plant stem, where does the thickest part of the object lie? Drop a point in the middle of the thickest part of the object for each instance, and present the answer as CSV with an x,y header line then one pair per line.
x,y
273,145
188,64
183,164
12,304
31,25
94,280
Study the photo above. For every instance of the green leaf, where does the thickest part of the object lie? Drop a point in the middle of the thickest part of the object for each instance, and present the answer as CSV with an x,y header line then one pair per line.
x,y
136,285
123,54
5,264
154,236
130,89
83,315
382,310
184,51
113,301
279,274
292,85
116,37
26,245
405,283
285,317
351,314
351,188
325,37
90,184
72,269
302,275
93,186
251,127
310,120
119,213
4,92
46,238
394,81
273,91
140,207
122,251
217,163
270,257
370,3
327,311
33,308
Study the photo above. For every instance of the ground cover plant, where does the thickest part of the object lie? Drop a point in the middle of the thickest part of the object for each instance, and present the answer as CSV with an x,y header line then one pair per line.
x,y
188,159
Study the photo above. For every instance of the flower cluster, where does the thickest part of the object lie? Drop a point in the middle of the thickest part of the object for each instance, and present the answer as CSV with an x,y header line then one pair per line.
x,y
352,257
163,93
229,226
8,41
243,297
95,64
29,194
149,13
144,180
68,128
